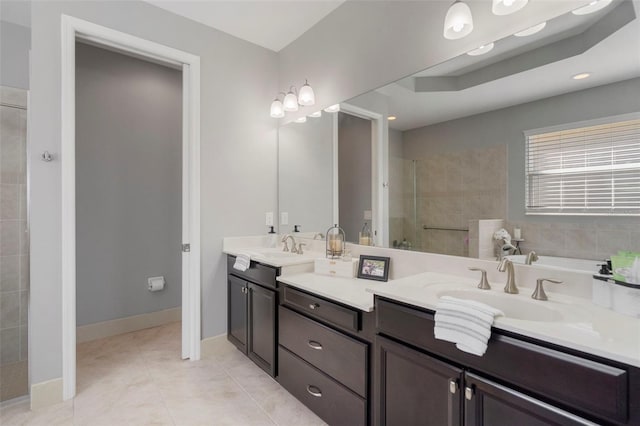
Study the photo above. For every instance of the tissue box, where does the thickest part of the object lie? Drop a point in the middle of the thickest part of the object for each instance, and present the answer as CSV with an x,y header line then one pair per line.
x,y
336,267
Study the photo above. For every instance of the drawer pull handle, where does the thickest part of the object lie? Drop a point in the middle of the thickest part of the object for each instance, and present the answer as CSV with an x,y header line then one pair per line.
x,y
453,386
313,306
315,391
314,345
468,393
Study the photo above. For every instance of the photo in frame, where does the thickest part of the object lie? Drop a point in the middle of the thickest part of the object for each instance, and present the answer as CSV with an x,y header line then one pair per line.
x,y
373,267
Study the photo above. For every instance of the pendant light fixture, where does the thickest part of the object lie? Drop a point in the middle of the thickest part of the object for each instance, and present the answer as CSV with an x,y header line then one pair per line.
x,y
277,109
507,7
306,97
290,102
458,23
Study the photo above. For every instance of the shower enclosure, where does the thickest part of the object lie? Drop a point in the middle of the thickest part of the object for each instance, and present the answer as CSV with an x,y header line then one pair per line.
x,y
14,244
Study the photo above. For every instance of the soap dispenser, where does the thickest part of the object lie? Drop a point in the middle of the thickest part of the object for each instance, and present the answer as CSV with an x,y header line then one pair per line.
x,y
365,235
273,238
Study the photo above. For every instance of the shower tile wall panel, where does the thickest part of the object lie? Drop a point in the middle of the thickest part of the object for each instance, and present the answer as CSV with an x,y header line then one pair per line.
x,y
14,251
456,187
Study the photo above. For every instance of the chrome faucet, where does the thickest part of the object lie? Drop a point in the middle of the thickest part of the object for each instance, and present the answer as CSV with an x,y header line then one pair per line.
x,y
531,257
285,237
318,236
507,265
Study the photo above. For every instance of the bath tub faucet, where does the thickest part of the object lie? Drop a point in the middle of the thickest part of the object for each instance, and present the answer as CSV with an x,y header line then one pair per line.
x,y
506,265
531,257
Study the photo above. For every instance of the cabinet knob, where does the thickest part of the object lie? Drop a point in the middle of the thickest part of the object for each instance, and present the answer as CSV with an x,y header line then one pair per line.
x,y
453,386
314,345
315,391
468,393
314,306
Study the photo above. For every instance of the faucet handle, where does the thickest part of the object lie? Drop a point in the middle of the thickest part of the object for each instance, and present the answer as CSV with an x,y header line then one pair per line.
x,y
484,283
300,248
539,293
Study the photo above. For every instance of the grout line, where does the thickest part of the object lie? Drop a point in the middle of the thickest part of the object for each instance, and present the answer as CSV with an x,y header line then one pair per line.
x,y
251,397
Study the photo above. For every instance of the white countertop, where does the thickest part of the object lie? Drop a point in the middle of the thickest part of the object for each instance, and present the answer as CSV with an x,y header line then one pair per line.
x,y
274,256
349,291
587,327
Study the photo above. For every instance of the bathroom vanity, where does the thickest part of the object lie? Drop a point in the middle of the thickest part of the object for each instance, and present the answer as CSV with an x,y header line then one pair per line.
x,y
359,352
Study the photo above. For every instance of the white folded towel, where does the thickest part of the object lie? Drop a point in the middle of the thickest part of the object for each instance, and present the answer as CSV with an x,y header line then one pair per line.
x,y
466,323
243,262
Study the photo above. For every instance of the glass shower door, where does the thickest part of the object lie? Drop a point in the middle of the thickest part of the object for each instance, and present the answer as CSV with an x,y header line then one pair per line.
x,y
14,244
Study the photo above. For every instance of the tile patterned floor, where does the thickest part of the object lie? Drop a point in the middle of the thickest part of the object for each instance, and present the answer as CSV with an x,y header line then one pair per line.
x,y
138,379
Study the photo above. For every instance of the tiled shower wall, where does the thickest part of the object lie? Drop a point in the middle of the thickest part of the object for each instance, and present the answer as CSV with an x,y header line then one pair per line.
x,y
14,244
452,188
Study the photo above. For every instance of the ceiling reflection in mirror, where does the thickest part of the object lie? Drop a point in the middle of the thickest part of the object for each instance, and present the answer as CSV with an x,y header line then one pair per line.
x,y
449,170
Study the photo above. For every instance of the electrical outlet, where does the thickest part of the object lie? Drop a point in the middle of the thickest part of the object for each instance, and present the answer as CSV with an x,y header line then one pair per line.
x,y
269,218
284,218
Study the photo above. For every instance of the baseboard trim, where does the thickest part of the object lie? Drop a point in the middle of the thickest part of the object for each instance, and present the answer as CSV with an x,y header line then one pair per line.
x,y
47,393
207,344
103,329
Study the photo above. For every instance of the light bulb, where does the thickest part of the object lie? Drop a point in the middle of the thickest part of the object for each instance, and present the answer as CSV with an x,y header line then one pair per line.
x,y
316,114
458,23
306,97
481,50
333,108
276,109
581,76
300,120
507,7
290,102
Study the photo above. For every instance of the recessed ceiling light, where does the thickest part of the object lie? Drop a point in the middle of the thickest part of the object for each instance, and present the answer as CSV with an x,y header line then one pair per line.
x,y
507,7
333,108
316,114
301,120
531,31
391,117
481,50
581,76
592,7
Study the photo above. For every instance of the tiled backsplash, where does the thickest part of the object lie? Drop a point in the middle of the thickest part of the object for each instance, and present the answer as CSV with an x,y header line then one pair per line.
x,y
14,246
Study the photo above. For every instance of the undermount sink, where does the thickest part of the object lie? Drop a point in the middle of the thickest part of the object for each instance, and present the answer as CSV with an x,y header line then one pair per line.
x,y
513,306
278,254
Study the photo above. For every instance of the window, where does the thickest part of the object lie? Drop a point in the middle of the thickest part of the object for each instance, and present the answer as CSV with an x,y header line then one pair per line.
x,y
588,168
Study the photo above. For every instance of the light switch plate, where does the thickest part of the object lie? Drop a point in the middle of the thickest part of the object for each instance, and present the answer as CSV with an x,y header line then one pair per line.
x,y
284,218
269,218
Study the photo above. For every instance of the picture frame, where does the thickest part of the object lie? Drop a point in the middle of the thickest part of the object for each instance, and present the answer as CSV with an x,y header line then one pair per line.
x,y
374,267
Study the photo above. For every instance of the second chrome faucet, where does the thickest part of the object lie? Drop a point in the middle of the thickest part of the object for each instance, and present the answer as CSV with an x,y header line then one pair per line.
x,y
506,265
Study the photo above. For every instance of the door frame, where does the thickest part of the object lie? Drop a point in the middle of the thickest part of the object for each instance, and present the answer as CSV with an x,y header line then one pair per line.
x,y
73,29
379,172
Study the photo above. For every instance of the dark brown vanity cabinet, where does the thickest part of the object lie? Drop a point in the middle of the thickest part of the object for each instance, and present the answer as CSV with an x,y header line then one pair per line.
x,y
518,381
252,304
325,356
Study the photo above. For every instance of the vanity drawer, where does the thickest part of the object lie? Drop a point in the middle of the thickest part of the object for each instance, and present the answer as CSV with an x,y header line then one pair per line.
x,y
575,382
334,403
257,273
322,309
340,356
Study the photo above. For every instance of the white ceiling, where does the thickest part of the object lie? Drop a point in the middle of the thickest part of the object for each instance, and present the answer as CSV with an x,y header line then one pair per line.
x,y
270,24
616,58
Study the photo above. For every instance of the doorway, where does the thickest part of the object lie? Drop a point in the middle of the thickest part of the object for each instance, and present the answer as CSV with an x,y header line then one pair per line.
x,y
188,245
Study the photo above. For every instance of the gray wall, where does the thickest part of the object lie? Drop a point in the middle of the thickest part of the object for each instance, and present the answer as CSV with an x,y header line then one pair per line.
x,y
305,164
363,45
128,184
15,41
506,126
238,153
354,173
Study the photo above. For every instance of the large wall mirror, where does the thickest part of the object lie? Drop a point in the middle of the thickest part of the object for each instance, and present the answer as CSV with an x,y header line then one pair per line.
x,y
438,160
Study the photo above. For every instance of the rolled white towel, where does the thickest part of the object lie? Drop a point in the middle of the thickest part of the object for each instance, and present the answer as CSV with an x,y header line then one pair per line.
x,y
466,323
242,263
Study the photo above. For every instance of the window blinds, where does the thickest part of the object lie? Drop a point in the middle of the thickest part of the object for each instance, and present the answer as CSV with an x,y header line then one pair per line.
x,y
588,170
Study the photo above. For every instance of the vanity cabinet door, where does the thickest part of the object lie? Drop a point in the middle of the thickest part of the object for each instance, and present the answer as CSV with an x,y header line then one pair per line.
x,y
237,312
490,404
413,388
263,305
